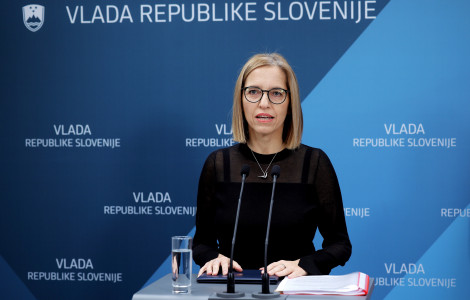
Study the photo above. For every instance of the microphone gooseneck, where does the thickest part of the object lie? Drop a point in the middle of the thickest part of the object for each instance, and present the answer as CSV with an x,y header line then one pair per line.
x,y
275,172
230,276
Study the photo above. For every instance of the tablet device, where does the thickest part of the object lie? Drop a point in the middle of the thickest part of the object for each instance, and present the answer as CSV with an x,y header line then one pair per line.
x,y
247,276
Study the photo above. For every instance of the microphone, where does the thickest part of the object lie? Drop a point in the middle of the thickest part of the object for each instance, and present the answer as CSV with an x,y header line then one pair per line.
x,y
275,172
230,276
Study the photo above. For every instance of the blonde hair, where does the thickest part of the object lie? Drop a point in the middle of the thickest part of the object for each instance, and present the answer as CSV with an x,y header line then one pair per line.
x,y
293,124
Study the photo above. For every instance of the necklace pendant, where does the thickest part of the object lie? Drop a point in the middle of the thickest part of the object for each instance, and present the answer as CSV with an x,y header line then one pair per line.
x,y
265,173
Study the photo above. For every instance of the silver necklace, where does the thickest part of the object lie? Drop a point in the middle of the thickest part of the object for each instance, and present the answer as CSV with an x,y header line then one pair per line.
x,y
265,173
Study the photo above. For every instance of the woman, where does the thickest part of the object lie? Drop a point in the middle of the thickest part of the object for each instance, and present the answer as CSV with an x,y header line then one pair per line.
x,y
267,123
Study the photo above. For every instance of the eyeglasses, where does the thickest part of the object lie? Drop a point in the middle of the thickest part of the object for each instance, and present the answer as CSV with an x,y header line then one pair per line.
x,y
254,94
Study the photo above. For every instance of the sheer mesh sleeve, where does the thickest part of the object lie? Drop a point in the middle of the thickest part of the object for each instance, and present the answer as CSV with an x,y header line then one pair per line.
x,y
336,247
205,241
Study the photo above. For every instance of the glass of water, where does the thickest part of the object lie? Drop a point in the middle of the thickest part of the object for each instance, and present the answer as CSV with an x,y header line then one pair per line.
x,y
181,263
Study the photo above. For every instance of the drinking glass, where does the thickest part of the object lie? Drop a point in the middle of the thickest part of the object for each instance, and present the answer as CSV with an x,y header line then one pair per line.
x,y
181,263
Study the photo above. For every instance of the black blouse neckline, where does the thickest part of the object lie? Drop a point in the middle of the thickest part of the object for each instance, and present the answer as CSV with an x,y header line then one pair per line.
x,y
263,158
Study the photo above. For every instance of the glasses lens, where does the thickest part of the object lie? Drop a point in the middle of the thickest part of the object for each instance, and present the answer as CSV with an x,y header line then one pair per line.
x,y
253,94
277,95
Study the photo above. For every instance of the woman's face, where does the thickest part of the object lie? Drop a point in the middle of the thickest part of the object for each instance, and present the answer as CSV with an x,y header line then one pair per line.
x,y
265,118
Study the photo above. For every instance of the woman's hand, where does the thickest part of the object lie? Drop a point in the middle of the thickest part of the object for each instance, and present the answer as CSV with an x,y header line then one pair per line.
x,y
288,268
212,267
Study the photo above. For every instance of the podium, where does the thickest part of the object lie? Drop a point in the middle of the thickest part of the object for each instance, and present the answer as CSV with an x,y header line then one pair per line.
x,y
162,289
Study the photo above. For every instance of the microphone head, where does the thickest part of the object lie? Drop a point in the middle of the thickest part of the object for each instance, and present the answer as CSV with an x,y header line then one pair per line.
x,y
245,170
275,171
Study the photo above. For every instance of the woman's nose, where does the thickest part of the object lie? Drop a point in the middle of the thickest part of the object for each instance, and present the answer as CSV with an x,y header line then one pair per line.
x,y
264,102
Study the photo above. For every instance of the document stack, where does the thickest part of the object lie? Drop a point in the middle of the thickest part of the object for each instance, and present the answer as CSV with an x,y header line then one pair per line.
x,y
353,284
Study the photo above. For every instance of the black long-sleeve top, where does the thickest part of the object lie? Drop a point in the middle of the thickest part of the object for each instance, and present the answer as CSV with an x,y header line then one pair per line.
x,y
307,197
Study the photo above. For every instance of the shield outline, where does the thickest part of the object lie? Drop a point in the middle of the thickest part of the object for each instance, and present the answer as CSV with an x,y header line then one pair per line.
x,y
40,16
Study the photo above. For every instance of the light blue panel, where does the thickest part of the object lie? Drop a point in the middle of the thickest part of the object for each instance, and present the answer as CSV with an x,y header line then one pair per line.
x,y
447,263
410,66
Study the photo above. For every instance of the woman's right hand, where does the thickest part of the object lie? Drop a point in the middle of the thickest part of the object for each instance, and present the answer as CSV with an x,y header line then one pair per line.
x,y
212,267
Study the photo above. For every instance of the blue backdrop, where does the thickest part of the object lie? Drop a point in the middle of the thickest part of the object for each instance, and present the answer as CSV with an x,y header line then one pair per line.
x,y
109,109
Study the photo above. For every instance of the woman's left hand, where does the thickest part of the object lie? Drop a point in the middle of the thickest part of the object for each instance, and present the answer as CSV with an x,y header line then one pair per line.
x,y
288,268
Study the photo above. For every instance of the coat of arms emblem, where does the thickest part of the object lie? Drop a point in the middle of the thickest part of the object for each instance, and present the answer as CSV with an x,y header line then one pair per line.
x,y
33,16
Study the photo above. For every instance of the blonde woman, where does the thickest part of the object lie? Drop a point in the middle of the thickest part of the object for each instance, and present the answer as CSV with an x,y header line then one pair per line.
x,y
267,122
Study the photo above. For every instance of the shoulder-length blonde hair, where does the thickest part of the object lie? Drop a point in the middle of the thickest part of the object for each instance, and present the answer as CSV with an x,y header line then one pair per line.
x,y
293,124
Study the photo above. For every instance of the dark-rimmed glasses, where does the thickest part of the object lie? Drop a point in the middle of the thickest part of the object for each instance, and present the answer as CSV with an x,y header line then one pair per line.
x,y
254,94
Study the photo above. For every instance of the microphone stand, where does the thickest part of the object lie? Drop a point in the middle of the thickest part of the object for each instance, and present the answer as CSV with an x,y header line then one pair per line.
x,y
265,293
230,293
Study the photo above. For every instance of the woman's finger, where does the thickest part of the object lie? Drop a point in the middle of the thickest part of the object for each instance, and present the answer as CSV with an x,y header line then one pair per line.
x,y
224,266
221,263
215,267
297,273
277,267
271,267
237,267
202,270
283,270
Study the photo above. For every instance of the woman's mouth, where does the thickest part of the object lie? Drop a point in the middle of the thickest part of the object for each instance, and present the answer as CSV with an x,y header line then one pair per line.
x,y
264,117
